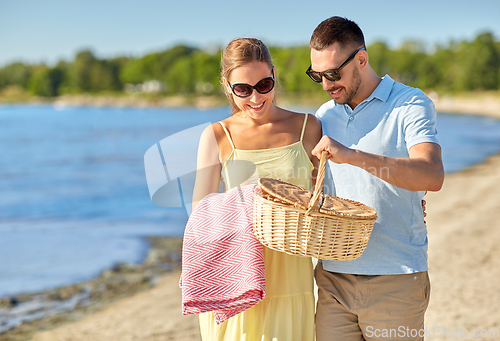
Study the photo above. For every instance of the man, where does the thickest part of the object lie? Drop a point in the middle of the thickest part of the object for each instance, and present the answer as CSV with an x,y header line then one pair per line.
x,y
382,142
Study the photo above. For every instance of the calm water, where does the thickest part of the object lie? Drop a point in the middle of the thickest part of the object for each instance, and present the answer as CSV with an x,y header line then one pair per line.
x,y
74,194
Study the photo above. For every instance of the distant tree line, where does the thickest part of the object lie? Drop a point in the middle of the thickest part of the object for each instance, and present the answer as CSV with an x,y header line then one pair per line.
x,y
458,66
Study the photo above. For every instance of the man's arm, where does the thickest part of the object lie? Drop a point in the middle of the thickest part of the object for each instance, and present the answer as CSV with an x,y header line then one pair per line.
x,y
422,171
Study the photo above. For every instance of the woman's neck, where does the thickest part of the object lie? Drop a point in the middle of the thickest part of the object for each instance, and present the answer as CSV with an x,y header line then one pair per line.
x,y
272,115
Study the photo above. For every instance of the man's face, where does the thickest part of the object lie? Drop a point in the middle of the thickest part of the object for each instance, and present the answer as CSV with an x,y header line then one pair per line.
x,y
343,91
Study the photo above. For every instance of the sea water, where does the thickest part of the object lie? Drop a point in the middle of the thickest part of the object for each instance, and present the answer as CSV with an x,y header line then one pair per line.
x,y
74,196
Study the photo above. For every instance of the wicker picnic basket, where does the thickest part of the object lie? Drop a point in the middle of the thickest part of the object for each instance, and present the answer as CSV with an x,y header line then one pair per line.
x,y
290,219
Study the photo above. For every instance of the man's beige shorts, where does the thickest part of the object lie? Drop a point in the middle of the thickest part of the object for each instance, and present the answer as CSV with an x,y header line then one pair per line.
x,y
361,307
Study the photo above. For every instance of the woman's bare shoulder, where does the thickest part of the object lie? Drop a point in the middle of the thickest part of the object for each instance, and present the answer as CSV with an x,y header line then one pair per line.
x,y
313,129
313,123
215,130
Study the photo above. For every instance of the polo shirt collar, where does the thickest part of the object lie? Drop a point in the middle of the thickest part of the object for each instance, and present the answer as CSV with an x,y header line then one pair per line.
x,y
383,90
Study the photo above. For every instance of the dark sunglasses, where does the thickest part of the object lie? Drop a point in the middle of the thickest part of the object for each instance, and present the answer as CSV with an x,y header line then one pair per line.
x,y
244,90
332,75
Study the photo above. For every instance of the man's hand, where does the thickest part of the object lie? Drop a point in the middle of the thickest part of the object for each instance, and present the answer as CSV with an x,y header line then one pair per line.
x,y
337,152
421,171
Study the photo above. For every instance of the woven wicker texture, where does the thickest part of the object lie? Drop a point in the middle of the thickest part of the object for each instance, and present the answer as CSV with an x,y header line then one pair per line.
x,y
285,192
330,229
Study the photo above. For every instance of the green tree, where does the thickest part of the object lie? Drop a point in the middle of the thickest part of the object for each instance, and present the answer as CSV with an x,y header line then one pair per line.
x,y
439,72
132,72
167,58
406,61
479,64
206,72
46,81
139,70
153,66
180,77
15,74
104,76
291,64
457,66
379,57
65,84
81,71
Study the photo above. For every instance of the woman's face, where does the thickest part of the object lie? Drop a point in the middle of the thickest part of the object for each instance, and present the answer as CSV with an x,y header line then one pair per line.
x,y
256,105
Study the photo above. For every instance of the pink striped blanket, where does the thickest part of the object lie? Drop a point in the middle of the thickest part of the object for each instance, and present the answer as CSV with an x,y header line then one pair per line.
x,y
222,261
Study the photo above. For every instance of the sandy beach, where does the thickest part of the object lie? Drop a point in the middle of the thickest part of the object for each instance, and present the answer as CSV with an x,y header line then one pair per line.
x,y
483,104
464,261
464,266
151,315
464,255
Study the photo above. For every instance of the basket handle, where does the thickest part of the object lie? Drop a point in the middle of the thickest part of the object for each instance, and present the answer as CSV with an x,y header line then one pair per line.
x,y
318,187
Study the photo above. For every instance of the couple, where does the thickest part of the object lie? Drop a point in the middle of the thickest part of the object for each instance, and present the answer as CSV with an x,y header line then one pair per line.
x,y
381,139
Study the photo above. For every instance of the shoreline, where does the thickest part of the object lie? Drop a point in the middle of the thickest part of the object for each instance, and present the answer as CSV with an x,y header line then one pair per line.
x,y
482,104
25,314
121,101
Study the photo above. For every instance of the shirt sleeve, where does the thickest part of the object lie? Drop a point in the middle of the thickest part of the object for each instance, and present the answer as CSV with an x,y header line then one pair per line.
x,y
323,108
420,121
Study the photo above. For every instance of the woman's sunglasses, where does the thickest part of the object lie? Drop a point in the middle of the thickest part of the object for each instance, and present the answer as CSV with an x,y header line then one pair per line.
x,y
262,87
332,75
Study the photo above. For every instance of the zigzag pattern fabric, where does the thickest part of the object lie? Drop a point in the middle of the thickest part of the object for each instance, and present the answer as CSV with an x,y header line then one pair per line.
x,y
222,261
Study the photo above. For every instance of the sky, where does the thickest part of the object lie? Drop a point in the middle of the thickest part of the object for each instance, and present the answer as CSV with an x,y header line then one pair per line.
x,y
52,30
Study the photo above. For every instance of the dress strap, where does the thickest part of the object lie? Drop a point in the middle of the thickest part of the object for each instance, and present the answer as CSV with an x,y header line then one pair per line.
x,y
227,134
303,127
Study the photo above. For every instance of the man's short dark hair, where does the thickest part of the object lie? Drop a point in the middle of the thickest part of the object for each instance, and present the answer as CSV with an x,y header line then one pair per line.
x,y
339,30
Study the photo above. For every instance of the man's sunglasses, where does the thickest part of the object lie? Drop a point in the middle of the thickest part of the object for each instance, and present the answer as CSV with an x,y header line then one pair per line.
x,y
244,90
332,75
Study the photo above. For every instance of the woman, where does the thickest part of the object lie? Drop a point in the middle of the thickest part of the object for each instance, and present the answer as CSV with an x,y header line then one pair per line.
x,y
276,143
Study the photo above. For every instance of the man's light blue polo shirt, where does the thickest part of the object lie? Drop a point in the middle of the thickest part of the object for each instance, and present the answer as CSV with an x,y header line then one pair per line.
x,y
389,122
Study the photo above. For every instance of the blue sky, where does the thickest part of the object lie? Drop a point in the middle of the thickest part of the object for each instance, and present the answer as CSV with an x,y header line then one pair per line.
x,y
50,30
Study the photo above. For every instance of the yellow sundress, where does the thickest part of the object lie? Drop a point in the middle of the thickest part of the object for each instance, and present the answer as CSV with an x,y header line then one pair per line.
x,y
287,311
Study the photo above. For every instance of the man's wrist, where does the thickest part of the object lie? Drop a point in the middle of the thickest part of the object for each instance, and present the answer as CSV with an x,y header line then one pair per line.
x,y
355,158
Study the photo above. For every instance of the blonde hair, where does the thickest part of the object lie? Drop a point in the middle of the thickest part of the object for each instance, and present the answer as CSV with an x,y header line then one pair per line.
x,y
239,52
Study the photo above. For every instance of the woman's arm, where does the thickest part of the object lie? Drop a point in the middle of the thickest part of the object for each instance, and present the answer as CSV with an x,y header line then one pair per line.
x,y
208,166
